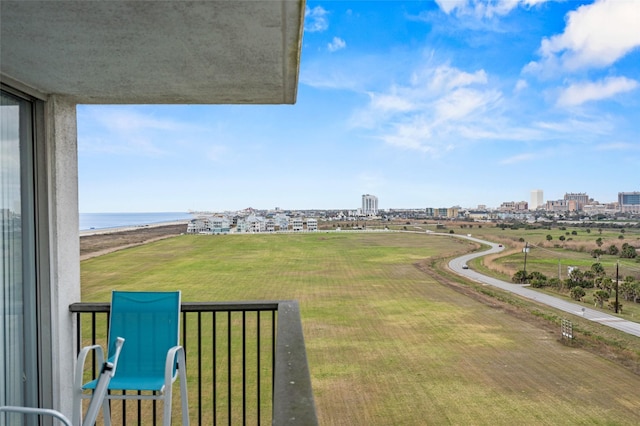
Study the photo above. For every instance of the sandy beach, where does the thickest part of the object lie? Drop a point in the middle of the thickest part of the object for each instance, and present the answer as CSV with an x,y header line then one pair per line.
x,y
96,242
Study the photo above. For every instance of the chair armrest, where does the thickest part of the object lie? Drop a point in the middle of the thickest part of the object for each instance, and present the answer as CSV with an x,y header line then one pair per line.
x,y
38,411
82,357
172,353
112,362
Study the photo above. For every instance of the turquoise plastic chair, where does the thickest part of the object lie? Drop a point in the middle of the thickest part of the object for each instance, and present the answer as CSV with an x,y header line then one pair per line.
x,y
151,360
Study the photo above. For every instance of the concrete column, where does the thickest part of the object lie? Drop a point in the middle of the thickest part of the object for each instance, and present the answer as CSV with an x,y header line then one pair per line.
x,y
62,144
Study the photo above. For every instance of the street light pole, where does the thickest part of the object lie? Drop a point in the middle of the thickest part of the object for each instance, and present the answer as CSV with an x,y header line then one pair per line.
x,y
526,249
617,280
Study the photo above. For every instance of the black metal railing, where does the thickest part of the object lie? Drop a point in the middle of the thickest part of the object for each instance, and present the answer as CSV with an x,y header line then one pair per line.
x,y
246,364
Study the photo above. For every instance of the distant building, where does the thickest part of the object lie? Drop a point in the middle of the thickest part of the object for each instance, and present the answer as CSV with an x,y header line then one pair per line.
x,y
557,206
219,225
369,205
281,222
629,201
255,223
597,208
198,225
436,212
270,225
512,206
576,201
312,224
479,214
537,199
296,224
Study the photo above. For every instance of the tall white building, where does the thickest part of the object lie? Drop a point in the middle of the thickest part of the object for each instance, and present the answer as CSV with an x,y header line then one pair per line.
x,y
537,199
369,205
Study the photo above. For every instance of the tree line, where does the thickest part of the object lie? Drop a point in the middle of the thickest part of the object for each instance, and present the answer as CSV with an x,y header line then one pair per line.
x,y
579,280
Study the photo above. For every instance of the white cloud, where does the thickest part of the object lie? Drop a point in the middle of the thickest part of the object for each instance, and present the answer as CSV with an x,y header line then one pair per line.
x,y
617,146
521,85
390,102
577,94
587,127
596,35
448,6
463,103
518,158
484,8
315,19
431,113
127,130
445,78
336,44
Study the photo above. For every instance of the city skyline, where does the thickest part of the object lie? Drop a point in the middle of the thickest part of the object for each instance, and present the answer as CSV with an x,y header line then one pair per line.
x,y
372,198
422,103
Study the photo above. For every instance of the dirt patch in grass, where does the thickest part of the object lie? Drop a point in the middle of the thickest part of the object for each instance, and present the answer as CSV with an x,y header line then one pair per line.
x,y
107,242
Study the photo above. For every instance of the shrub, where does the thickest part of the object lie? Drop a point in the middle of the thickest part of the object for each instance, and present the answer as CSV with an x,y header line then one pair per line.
x,y
538,283
577,293
519,277
555,283
539,276
628,252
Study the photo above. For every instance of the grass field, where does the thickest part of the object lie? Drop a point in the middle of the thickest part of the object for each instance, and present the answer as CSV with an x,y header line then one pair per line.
x,y
387,343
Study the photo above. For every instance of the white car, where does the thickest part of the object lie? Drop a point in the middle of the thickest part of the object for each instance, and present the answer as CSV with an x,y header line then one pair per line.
x,y
465,266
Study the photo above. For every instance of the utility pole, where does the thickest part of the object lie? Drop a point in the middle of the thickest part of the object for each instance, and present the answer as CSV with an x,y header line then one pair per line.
x,y
526,249
617,279
559,270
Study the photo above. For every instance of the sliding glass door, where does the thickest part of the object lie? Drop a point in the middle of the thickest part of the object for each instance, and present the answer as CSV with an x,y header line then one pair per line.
x,y
18,263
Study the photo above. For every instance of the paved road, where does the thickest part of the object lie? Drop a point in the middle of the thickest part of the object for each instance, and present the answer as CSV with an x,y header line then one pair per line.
x,y
523,290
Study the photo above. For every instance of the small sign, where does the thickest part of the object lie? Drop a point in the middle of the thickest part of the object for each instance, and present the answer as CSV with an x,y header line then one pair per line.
x,y
567,329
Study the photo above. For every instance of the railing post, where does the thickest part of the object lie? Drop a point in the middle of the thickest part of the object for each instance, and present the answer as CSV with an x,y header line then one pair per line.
x,y
292,396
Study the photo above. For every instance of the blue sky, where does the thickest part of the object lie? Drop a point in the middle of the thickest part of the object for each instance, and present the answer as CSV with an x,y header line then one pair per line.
x,y
423,104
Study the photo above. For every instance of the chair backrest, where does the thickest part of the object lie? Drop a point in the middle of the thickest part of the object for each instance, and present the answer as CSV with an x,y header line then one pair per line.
x,y
150,324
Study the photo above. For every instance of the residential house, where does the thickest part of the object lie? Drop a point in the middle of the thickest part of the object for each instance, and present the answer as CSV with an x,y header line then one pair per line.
x,y
297,224
312,224
198,225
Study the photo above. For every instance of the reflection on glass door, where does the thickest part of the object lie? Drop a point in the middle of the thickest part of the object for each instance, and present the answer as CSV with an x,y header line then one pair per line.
x,y
18,331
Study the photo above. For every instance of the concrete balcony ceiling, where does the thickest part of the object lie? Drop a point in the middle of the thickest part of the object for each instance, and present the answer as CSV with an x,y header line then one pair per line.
x,y
155,52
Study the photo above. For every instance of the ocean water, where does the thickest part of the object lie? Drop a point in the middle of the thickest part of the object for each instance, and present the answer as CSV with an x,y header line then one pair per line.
x,y
115,220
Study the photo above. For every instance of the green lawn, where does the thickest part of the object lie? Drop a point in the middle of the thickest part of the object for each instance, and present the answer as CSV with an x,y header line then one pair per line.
x,y
387,344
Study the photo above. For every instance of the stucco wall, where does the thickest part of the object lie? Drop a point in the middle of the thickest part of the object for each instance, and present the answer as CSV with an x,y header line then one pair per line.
x,y
61,137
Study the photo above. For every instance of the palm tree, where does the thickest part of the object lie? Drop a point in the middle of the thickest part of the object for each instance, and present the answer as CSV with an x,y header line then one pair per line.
x,y
598,272
600,296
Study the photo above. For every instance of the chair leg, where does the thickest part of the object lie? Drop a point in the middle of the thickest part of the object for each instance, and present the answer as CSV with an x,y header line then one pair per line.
x,y
166,414
106,412
76,414
183,388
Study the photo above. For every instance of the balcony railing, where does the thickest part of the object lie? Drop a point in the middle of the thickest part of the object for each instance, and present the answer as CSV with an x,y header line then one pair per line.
x,y
246,364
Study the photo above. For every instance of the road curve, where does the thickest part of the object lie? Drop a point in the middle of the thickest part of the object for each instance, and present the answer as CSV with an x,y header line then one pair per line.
x,y
522,290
